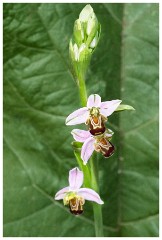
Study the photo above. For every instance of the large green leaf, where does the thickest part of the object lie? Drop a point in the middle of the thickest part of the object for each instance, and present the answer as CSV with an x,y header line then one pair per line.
x,y
39,92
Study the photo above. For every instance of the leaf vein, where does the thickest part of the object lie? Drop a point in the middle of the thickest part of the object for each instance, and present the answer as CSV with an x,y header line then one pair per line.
x,y
148,122
150,217
15,89
112,14
54,45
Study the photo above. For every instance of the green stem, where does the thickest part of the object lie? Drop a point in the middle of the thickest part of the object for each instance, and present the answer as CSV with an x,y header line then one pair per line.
x,y
82,92
96,207
93,169
85,169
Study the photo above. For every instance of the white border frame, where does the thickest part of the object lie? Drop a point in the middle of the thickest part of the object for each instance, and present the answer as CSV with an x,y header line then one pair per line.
x,y
1,99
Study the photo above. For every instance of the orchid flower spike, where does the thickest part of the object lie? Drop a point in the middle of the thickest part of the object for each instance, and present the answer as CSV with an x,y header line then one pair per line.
x,y
94,115
100,143
74,196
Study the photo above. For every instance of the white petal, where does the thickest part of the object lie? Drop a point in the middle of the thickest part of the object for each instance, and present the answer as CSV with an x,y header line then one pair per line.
x,y
75,179
61,194
78,116
80,135
89,194
87,149
94,100
107,108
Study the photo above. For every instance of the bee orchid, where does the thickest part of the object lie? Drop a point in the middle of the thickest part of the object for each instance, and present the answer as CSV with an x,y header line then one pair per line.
x,y
100,143
94,115
74,195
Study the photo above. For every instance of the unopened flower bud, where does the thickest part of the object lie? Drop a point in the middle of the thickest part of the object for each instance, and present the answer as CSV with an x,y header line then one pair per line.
x,y
86,13
78,32
94,42
84,53
92,24
71,51
78,51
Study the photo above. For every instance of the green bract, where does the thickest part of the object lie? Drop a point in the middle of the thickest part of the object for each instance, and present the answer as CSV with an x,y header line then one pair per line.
x,y
123,107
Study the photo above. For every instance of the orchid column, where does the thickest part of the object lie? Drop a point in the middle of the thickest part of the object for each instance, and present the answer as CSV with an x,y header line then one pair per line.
x,y
85,39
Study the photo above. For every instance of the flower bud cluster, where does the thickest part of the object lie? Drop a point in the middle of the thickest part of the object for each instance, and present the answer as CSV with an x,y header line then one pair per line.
x,y
85,38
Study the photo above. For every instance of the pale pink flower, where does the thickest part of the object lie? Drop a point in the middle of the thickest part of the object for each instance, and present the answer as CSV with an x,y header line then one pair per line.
x,y
94,107
99,143
75,196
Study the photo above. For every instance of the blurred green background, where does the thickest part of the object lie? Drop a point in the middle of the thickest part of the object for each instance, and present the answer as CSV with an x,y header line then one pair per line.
x,y
39,93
